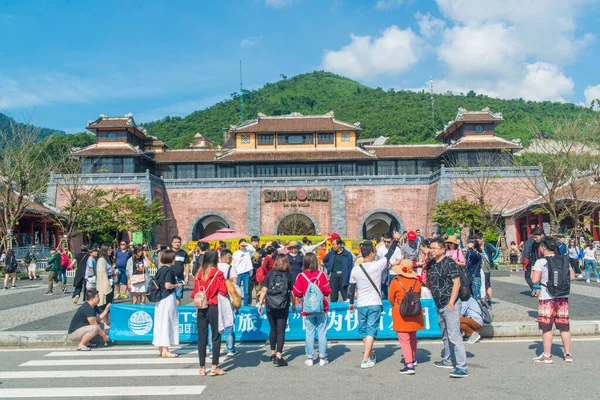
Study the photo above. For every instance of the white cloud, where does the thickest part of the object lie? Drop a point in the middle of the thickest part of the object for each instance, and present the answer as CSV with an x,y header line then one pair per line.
x,y
591,93
278,3
250,41
392,53
429,26
511,48
388,4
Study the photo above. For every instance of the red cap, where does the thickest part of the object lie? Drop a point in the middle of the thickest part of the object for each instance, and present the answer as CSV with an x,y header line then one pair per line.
x,y
333,236
411,235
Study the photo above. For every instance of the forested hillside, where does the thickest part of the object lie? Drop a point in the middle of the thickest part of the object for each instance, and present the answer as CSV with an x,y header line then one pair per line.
x,y
404,116
5,126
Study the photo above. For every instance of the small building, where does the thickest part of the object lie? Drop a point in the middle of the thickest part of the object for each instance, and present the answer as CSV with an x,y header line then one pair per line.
x,y
201,141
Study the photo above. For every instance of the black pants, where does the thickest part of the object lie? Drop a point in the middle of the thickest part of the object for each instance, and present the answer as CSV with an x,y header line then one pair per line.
x,y
575,265
337,287
277,321
204,318
528,276
79,285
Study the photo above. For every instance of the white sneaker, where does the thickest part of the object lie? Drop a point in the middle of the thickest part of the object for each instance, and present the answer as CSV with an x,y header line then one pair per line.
x,y
580,276
308,362
474,338
367,364
587,280
544,359
598,280
323,362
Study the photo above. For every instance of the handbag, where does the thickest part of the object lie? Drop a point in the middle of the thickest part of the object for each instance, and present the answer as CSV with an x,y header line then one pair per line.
x,y
201,298
138,279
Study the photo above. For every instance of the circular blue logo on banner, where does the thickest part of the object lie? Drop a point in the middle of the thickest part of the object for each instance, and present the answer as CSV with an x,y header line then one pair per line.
x,y
140,323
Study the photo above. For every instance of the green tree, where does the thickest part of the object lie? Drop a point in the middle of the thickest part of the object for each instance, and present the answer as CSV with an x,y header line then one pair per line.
x,y
459,213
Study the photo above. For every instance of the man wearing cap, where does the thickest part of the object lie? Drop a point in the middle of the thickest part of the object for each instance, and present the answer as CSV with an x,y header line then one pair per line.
x,y
296,258
31,260
242,262
410,248
338,263
366,278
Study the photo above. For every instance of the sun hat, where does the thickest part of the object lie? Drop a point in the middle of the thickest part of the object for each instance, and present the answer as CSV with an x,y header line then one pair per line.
x,y
292,243
453,239
405,268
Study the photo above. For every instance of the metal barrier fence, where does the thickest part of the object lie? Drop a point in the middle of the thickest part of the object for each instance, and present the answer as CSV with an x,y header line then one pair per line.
x,y
41,266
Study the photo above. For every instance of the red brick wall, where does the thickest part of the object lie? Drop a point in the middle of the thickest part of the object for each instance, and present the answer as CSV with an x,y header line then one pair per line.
x,y
319,210
409,203
185,205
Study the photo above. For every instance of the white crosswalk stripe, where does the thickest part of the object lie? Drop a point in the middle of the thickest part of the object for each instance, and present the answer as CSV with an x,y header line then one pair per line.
x,y
63,371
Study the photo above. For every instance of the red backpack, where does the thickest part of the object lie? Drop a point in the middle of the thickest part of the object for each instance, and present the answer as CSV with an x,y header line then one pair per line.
x,y
65,261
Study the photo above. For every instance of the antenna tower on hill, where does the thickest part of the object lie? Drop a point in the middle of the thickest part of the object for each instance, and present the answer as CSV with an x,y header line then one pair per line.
x,y
241,95
432,102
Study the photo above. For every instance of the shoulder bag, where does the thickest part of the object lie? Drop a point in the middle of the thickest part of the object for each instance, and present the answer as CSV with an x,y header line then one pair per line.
x,y
370,280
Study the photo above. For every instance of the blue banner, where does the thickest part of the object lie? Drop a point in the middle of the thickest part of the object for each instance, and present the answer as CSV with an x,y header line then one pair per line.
x,y
136,323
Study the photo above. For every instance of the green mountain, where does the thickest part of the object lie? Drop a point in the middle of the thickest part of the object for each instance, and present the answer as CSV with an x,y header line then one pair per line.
x,y
6,121
404,116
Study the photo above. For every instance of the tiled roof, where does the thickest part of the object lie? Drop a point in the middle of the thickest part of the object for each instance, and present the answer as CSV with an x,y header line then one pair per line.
x,y
95,150
484,116
295,155
186,156
475,142
408,151
125,122
295,122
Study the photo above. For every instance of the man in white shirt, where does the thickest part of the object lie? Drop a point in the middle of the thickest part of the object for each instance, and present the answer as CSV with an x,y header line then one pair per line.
x,y
388,275
242,262
553,303
366,277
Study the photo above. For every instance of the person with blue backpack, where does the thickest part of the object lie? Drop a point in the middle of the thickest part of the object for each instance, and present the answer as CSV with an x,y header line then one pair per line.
x,y
313,287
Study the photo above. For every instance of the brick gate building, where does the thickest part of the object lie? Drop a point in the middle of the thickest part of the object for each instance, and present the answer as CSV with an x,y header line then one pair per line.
x,y
308,168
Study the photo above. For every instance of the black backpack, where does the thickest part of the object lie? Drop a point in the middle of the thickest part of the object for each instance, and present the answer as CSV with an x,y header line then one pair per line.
x,y
465,284
28,258
197,264
154,290
277,292
411,302
559,276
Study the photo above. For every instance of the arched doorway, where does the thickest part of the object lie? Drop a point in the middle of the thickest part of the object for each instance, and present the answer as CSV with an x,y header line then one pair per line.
x,y
296,223
378,222
207,224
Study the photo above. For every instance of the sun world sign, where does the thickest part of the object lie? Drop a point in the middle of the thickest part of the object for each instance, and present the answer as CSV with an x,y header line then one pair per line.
x,y
303,195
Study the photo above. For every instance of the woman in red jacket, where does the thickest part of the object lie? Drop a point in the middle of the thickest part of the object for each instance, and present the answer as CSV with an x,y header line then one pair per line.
x,y
212,281
315,321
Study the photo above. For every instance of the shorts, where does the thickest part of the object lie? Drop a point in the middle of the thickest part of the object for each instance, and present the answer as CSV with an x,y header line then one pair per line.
x,y
514,259
32,267
488,281
179,291
121,277
368,320
78,334
553,311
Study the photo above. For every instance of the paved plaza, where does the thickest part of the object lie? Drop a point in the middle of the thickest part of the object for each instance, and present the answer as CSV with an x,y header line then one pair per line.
x,y
27,309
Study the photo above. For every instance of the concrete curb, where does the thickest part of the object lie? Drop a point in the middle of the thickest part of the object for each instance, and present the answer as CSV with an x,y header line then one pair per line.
x,y
524,329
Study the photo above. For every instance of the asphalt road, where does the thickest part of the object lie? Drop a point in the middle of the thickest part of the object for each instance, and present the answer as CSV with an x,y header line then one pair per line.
x,y
497,370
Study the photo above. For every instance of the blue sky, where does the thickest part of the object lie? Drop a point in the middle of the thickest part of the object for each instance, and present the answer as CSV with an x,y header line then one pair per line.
x,y
63,63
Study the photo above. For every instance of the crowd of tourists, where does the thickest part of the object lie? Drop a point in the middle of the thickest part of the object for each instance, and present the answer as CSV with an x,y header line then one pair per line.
x,y
401,268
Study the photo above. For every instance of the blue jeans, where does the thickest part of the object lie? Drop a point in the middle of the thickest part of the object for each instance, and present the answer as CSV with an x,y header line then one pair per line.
x,y
229,339
590,265
244,280
316,322
62,276
476,287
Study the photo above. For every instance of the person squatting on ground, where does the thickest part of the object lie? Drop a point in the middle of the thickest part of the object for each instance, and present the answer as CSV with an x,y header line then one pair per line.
x,y
312,285
277,294
471,320
88,322
552,274
406,326
209,283
367,277
166,317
